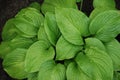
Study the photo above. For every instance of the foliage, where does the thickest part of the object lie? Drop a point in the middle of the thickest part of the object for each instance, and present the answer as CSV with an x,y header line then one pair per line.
x,y
56,41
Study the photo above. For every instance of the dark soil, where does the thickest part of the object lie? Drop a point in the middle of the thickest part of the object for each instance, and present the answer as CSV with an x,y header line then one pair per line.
x,y
8,9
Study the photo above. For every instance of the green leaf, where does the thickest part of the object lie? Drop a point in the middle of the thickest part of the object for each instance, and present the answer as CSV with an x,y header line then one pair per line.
x,y
4,49
96,64
75,73
51,28
113,49
35,5
31,15
78,0
116,76
13,63
21,42
26,28
51,71
102,19
18,42
33,76
97,11
37,54
73,24
9,30
94,42
109,31
66,50
42,34
50,5
104,3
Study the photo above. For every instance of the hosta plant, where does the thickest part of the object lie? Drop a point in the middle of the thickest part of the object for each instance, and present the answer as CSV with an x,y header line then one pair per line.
x,y
56,41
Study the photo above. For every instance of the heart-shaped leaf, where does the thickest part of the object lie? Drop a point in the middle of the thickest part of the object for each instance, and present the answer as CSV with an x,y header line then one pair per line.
x,y
66,50
37,54
94,42
51,71
109,31
113,49
94,63
102,19
14,65
73,24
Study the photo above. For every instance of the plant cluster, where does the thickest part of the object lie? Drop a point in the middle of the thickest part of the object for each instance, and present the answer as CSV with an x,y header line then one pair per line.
x,y
56,41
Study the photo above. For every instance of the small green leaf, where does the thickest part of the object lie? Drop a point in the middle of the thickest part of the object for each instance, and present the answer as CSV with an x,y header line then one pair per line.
x,y
13,63
113,49
73,24
51,71
102,19
66,50
50,5
37,54
94,42
51,28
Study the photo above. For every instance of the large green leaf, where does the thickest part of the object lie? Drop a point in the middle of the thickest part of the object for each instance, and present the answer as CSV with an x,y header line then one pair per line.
x,y
75,73
102,19
18,42
66,50
32,15
104,3
94,42
51,71
49,5
109,31
73,24
26,28
37,54
96,64
51,28
13,63
113,49
9,30
97,11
